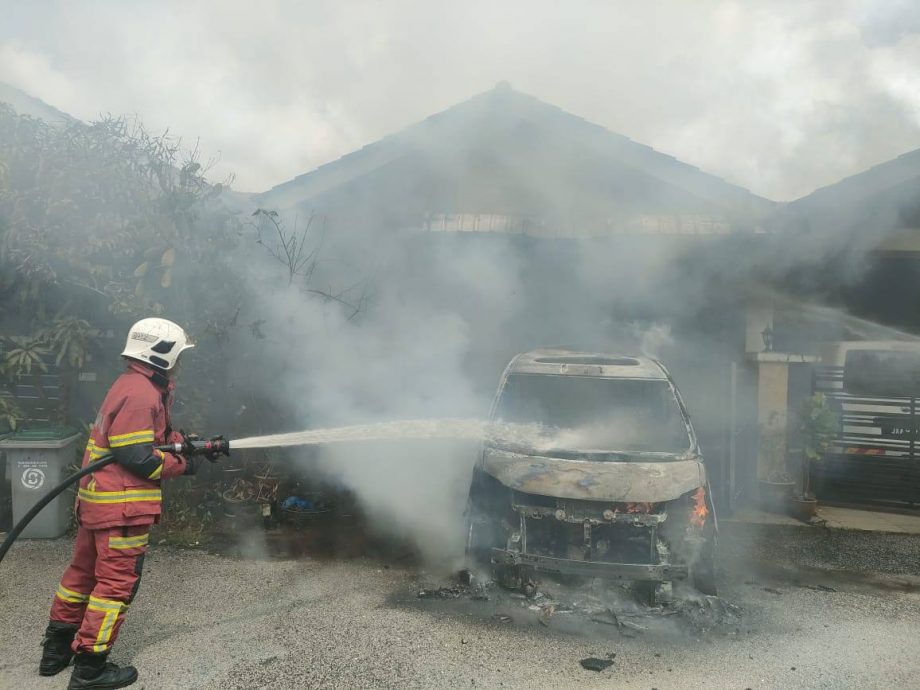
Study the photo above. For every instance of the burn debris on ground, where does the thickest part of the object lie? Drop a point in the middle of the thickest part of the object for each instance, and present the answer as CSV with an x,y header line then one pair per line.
x,y
547,611
466,588
592,663
597,603
443,593
626,627
696,613
708,614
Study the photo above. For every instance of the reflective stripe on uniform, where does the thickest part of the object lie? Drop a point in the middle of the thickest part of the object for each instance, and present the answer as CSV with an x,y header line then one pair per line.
x,y
135,437
129,542
127,496
70,596
95,452
111,609
97,604
156,473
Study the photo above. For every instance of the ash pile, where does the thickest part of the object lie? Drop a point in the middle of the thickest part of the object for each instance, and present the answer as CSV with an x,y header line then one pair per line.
x,y
595,607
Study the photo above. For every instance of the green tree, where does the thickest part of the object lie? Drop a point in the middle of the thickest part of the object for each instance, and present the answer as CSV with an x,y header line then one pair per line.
x,y
101,224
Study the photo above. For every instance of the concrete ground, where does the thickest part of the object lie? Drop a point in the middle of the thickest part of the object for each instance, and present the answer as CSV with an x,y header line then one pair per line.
x,y
800,607
840,517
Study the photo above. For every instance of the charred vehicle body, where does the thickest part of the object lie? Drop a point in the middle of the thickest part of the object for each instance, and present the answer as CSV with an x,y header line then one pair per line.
x,y
609,484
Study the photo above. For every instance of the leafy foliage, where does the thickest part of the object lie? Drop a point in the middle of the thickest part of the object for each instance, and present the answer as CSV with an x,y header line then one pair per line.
x,y
102,224
10,414
68,338
104,212
818,425
19,361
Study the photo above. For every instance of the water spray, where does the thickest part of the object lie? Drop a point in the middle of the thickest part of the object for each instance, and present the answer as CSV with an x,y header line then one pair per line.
x,y
407,429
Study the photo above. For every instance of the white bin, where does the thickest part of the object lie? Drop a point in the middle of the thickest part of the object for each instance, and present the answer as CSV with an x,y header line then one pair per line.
x,y
36,462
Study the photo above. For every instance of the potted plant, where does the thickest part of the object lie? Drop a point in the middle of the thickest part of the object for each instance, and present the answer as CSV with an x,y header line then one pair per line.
x,y
818,423
776,486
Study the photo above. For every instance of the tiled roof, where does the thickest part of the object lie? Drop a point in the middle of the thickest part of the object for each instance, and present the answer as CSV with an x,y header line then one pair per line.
x,y
506,152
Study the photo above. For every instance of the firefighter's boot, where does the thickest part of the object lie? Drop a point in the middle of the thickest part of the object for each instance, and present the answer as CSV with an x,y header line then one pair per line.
x,y
93,671
56,652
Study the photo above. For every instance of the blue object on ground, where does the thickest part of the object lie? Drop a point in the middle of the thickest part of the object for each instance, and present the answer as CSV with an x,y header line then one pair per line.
x,y
296,503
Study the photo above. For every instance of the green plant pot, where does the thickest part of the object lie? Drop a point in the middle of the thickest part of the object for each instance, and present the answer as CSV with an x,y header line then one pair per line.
x,y
775,496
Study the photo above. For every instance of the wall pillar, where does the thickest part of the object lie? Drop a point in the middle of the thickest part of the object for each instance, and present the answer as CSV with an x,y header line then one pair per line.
x,y
772,395
772,408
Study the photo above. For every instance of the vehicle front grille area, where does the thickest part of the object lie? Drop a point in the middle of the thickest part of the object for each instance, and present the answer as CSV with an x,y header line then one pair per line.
x,y
588,530
587,542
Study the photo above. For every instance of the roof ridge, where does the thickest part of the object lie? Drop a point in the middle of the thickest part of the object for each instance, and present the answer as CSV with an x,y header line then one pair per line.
x,y
628,152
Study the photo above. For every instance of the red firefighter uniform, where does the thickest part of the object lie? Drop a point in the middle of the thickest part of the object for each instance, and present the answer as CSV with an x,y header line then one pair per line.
x,y
117,505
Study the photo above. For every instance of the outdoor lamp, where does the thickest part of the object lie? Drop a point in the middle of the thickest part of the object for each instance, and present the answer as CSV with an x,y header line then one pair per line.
x,y
767,335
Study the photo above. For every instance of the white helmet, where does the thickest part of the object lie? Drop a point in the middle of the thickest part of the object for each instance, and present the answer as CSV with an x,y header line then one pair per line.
x,y
156,341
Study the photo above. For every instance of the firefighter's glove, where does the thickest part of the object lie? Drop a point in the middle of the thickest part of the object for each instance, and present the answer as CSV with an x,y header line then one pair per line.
x,y
187,439
191,465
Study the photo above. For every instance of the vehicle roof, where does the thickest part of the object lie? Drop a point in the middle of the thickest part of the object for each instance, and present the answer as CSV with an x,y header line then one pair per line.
x,y
569,362
835,352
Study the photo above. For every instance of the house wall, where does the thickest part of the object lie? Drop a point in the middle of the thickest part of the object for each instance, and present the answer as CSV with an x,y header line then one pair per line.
x,y
772,397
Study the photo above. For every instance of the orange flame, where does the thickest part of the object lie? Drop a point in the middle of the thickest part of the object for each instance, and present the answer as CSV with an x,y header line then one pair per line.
x,y
700,511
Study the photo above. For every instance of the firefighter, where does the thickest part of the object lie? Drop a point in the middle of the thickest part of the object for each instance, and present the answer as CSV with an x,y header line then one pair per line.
x,y
115,508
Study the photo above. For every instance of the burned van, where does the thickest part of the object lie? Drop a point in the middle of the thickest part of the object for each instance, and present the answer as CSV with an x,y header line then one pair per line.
x,y
593,470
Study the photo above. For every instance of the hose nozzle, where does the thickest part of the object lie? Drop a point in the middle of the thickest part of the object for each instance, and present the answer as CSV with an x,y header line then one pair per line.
x,y
209,448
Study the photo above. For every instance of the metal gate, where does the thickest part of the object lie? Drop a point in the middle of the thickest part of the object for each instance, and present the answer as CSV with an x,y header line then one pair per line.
x,y
874,456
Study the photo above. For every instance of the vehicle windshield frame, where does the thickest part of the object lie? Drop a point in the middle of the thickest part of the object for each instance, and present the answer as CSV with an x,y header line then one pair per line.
x,y
593,455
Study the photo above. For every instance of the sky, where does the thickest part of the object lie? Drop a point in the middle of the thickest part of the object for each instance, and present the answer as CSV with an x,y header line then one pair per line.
x,y
780,97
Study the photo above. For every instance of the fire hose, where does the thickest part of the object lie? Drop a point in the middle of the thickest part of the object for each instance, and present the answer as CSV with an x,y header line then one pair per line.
x,y
209,448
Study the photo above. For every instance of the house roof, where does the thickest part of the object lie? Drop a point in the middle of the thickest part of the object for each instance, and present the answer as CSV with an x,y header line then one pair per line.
x,y
876,184
24,104
882,200
507,152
